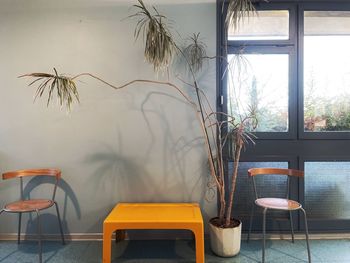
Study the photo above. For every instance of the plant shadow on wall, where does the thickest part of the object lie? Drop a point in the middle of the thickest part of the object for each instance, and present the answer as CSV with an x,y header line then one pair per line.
x,y
220,130
176,151
118,174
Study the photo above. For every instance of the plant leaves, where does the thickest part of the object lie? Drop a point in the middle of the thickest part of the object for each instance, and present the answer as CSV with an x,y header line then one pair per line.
x,y
159,44
66,89
237,10
195,52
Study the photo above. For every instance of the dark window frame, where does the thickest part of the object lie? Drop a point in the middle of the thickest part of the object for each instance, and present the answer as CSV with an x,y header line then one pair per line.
x,y
295,42
333,225
300,145
336,6
292,94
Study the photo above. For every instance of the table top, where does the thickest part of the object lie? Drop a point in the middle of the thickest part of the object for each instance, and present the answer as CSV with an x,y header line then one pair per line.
x,y
155,212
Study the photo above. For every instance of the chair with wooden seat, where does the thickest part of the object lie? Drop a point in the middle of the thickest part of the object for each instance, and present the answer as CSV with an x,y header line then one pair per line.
x,y
33,205
284,204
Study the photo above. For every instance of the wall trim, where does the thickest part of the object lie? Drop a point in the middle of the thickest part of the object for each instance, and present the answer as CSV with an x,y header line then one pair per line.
x,y
98,236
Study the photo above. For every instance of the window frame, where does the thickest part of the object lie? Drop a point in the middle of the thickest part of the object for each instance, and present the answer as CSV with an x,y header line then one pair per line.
x,y
264,47
264,6
296,90
292,95
333,135
300,146
334,225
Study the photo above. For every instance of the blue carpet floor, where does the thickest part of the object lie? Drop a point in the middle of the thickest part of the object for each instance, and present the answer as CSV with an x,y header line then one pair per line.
x,y
281,251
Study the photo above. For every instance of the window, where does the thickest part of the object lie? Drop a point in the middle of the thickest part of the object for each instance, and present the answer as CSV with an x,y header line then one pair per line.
x,y
332,180
326,71
294,75
266,25
258,90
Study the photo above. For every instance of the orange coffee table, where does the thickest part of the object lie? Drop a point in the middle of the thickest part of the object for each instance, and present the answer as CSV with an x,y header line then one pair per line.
x,y
154,216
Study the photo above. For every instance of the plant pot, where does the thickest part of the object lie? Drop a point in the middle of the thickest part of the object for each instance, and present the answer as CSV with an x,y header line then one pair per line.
x,y
225,242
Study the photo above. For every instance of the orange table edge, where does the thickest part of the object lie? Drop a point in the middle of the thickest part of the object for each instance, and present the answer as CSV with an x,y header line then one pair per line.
x,y
154,216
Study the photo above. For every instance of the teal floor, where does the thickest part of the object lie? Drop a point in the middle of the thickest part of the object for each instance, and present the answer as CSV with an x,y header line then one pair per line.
x,y
173,251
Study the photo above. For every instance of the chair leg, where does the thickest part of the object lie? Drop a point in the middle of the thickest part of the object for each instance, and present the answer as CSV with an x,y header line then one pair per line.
x,y
39,236
59,222
264,234
307,236
19,228
250,223
291,225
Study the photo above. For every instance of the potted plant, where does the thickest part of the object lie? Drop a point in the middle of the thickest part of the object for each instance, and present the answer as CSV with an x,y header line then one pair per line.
x,y
220,130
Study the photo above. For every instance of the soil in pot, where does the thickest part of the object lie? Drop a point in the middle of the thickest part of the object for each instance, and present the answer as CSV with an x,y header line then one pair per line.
x,y
216,222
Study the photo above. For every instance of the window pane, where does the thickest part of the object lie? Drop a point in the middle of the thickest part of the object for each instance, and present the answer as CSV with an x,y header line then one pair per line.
x,y
265,25
327,194
327,71
258,86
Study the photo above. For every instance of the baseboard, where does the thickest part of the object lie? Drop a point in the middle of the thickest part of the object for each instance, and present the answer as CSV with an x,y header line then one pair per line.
x,y
162,236
129,235
284,236
54,237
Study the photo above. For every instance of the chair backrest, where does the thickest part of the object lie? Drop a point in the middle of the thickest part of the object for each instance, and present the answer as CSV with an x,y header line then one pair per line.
x,y
274,171
32,173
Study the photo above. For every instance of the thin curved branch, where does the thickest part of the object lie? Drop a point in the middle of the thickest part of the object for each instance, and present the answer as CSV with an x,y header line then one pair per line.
x,y
188,99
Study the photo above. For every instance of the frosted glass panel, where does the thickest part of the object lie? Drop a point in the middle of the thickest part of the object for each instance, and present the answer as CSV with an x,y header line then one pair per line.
x,y
327,190
265,25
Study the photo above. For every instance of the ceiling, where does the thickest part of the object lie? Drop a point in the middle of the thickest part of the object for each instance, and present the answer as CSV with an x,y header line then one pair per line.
x,y
6,5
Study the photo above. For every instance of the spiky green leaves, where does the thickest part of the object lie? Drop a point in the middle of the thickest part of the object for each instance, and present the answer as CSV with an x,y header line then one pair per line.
x,y
159,43
238,133
63,86
195,52
237,10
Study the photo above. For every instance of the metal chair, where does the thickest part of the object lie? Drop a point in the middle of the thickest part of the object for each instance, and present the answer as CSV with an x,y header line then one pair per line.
x,y
277,203
33,205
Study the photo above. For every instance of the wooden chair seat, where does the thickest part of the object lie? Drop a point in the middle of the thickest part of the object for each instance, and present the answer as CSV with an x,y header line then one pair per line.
x,y
28,205
278,203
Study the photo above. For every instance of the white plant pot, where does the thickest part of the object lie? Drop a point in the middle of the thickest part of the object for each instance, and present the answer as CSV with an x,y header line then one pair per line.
x,y
225,242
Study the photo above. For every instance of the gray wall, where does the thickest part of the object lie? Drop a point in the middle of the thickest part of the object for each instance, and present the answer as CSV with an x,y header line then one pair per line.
x,y
140,144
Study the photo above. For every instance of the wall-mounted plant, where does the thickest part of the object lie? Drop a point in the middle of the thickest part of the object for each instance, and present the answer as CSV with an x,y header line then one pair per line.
x,y
195,52
159,43
64,87
237,10
220,129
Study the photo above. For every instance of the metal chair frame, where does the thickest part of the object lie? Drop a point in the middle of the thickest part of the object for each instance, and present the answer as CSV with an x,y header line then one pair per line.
x,y
32,173
284,172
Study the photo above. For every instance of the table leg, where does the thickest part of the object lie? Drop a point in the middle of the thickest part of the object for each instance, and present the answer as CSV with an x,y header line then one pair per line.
x,y
120,235
107,236
199,236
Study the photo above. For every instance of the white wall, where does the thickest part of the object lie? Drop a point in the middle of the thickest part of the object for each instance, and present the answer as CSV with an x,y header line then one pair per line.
x,y
140,144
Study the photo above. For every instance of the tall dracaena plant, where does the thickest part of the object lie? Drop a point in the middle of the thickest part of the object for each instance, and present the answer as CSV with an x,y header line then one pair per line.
x,y
160,48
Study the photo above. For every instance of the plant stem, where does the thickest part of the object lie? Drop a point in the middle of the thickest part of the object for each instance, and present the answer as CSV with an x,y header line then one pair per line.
x,y
233,180
200,104
188,99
